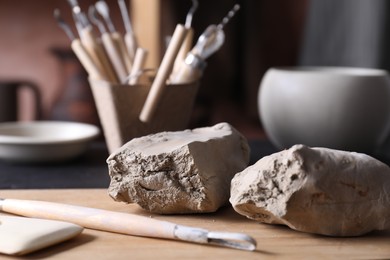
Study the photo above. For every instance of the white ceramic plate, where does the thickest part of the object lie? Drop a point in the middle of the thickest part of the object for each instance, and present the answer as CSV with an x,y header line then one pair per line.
x,y
44,141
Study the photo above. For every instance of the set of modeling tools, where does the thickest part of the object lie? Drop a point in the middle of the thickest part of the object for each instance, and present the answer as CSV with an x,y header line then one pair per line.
x,y
109,56
116,58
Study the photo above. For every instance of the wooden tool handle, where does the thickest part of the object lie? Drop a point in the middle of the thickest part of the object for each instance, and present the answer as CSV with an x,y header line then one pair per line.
x,y
184,50
98,219
185,74
124,223
131,45
114,56
138,65
85,59
99,56
124,54
162,75
106,63
88,39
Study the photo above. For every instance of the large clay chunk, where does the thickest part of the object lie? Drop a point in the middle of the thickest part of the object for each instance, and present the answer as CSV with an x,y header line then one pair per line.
x,y
316,190
179,172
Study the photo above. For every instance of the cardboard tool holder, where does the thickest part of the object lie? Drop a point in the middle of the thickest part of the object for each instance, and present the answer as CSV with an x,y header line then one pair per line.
x,y
119,107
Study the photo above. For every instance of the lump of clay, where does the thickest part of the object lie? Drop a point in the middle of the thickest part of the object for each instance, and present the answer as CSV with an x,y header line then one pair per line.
x,y
179,172
316,190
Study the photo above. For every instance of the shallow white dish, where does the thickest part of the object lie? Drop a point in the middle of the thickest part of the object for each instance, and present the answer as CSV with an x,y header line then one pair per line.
x,y
44,141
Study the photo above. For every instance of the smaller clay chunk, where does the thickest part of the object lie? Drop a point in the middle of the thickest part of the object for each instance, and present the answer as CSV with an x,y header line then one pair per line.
x,y
316,190
179,172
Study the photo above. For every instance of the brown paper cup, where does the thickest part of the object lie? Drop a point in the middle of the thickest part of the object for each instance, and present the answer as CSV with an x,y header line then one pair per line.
x,y
119,106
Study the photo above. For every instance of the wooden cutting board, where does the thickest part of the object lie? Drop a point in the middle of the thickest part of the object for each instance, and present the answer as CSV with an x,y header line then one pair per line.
x,y
273,241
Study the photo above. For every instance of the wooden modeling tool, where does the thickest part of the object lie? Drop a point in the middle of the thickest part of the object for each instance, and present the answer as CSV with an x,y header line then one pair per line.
x,y
159,83
89,41
124,223
86,60
188,41
138,65
208,43
115,56
130,40
126,62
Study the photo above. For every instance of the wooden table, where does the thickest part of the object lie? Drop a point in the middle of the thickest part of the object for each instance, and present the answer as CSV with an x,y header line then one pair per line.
x,y
273,241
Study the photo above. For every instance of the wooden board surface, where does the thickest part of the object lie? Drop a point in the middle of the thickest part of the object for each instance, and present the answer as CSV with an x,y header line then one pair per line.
x,y
273,241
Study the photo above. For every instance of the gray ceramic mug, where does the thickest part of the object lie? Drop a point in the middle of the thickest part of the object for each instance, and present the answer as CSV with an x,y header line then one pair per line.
x,y
335,107
9,101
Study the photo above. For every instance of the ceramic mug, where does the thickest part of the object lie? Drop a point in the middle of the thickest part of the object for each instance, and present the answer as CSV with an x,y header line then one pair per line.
x,y
335,107
9,103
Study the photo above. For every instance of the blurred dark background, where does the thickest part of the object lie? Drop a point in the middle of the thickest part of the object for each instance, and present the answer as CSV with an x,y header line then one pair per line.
x,y
263,34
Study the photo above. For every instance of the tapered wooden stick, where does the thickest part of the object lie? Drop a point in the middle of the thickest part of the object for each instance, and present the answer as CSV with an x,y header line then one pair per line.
x,y
165,69
86,60
115,56
138,65
121,45
184,50
90,44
